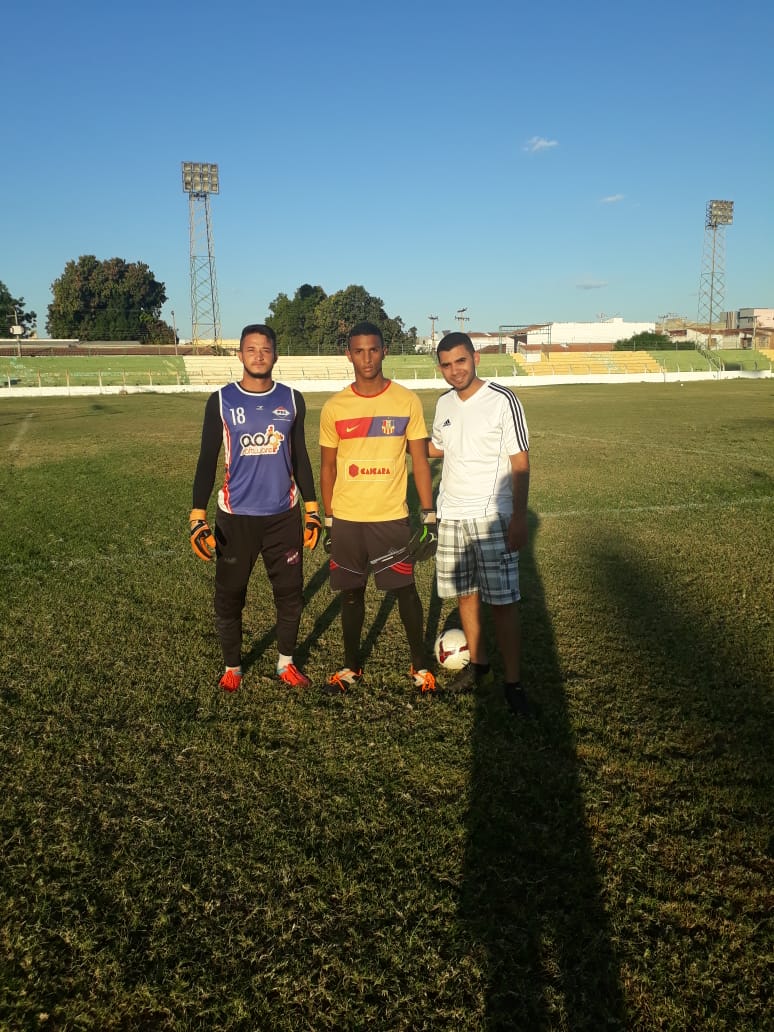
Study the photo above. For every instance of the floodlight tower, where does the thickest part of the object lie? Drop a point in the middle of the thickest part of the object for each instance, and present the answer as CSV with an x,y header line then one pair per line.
x,y
199,181
719,214
462,318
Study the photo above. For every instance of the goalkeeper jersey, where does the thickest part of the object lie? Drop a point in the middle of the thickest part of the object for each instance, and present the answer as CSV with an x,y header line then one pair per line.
x,y
257,431
370,435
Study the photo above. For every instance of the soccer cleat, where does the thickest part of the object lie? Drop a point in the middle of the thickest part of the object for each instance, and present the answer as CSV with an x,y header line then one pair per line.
x,y
468,678
342,680
230,681
423,680
293,676
516,698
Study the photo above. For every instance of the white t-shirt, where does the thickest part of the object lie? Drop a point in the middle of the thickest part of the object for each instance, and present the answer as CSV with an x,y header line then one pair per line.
x,y
477,437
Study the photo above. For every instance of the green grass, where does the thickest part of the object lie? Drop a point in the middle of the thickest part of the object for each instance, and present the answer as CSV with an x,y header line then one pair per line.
x,y
176,858
425,366
92,370
735,358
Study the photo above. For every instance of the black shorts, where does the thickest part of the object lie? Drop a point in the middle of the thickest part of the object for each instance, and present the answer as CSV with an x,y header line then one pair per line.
x,y
359,549
241,540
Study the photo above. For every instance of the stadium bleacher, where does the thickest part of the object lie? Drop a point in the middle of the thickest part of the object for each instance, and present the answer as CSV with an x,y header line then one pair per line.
x,y
561,363
209,371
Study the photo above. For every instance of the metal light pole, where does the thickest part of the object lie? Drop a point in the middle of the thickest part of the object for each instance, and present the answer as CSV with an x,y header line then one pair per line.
x,y
174,328
719,214
462,318
17,331
432,319
199,181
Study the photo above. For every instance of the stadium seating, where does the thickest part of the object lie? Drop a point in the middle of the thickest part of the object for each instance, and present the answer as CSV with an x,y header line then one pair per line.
x,y
214,371
564,363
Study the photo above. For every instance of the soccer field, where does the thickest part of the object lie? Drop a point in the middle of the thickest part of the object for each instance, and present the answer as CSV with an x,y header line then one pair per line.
x,y
178,858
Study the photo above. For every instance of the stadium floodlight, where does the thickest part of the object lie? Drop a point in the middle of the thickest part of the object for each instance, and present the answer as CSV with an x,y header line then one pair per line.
x,y
462,318
718,215
200,179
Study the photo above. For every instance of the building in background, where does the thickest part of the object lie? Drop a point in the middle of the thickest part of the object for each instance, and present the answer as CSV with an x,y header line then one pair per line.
x,y
576,336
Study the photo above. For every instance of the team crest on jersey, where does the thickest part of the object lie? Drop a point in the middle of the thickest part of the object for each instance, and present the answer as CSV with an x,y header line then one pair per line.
x,y
267,443
388,426
281,412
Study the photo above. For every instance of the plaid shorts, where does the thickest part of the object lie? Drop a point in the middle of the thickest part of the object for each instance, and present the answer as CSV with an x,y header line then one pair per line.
x,y
473,556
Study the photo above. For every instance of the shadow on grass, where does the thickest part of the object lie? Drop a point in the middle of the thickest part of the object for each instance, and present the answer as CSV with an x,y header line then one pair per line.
x,y
531,895
693,667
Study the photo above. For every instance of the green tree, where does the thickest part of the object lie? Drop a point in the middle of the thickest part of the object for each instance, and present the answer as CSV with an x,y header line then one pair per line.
x,y
11,309
334,316
107,300
293,320
646,341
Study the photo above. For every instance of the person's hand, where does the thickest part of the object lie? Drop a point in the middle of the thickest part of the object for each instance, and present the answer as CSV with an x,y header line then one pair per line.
x,y
202,538
327,537
518,532
312,525
424,542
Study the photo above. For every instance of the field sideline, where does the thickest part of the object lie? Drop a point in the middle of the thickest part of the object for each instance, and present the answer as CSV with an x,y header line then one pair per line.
x,y
178,859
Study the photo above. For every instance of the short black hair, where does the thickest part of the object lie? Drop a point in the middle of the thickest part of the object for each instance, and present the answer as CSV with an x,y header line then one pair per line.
x,y
453,340
266,331
365,329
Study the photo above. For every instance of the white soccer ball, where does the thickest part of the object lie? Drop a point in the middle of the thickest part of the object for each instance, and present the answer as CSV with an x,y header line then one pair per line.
x,y
451,649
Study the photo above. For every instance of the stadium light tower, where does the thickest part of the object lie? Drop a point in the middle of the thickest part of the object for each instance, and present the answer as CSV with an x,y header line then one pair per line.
x,y
462,318
719,214
199,181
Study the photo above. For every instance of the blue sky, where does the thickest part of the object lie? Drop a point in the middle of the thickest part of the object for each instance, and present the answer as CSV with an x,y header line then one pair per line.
x,y
524,162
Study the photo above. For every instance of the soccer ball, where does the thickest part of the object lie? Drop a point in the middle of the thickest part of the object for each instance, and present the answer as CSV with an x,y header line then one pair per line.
x,y
451,649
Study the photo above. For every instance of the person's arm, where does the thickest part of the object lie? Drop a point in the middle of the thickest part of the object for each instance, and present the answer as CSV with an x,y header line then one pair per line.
x,y
423,478
327,478
200,535
433,451
302,466
518,532
207,466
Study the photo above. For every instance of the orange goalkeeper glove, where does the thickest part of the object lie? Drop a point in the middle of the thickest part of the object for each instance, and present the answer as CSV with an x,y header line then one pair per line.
x,y
202,539
312,525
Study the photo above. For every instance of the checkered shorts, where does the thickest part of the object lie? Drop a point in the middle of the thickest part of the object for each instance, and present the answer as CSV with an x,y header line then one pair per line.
x,y
473,556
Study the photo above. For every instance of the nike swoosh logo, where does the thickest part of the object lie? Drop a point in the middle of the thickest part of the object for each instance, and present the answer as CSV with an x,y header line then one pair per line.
x,y
349,429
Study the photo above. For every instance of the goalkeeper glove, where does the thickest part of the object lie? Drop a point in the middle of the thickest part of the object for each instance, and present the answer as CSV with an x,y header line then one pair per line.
x,y
424,542
312,525
202,540
327,540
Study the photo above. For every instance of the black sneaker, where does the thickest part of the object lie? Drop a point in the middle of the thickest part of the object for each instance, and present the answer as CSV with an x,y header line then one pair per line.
x,y
470,677
516,698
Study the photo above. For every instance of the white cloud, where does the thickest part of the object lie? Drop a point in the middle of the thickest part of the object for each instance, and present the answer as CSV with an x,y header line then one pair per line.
x,y
591,284
612,198
539,143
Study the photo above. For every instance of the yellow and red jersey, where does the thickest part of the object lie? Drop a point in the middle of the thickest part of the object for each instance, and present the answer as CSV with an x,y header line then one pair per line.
x,y
370,435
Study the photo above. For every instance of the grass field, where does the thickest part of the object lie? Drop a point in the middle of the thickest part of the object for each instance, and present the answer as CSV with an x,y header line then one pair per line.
x,y
174,858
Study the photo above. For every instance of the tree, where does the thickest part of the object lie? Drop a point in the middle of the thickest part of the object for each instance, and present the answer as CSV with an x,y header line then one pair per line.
x,y
335,315
313,323
293,320
12,313
645,341
107,300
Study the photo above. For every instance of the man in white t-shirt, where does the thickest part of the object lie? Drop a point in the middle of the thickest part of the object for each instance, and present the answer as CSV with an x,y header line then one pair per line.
x,y
480,432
